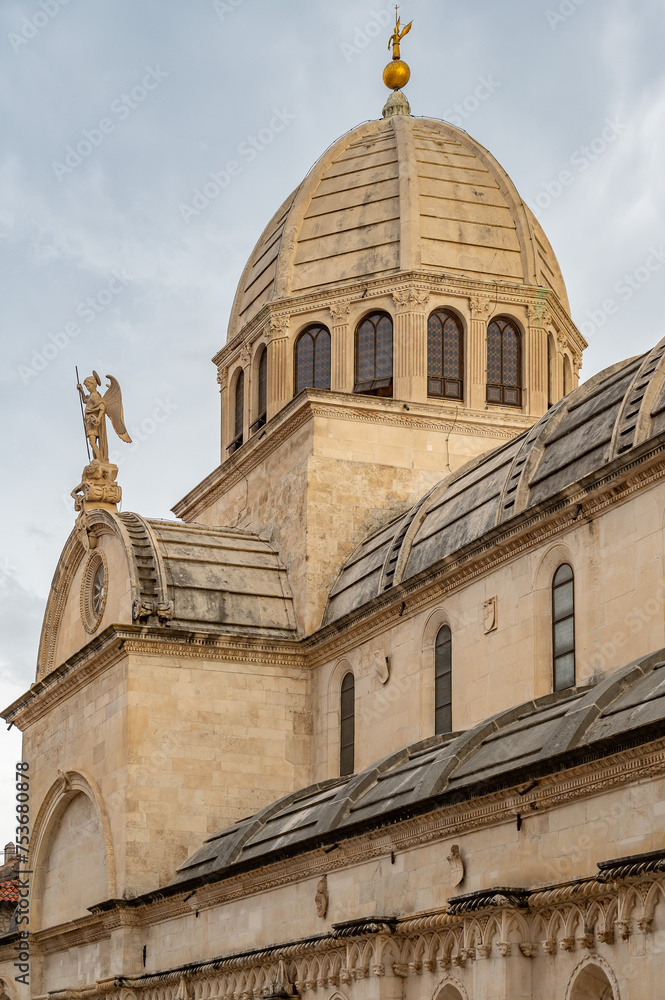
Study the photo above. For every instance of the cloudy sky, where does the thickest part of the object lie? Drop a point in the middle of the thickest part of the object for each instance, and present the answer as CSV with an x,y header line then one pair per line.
x,y
103,265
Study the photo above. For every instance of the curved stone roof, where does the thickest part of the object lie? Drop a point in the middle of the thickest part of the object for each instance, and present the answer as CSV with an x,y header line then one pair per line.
x,y
533,740
596,424
214,577
188,576
399,194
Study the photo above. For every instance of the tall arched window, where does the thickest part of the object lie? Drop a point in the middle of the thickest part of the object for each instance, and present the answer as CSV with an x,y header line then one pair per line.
x,y
443,677
563,628
262,392
312,359
238,413
445,355
504,363
374,355
347,728
567,375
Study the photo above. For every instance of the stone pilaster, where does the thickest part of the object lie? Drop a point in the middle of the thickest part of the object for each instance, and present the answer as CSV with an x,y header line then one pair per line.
x,y
475,396
342,348
280,365
410,344
223,383
535,360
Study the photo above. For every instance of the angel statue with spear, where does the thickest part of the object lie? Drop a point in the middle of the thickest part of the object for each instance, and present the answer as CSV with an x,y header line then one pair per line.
x,y
97,408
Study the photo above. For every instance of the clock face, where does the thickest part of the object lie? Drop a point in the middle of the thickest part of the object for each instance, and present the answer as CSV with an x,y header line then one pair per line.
x,y
93,591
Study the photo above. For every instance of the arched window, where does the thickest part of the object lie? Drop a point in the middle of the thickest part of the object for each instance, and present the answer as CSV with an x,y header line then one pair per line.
x,y
262,392
443,676
347,728
563,628
239,413
374,355
312,359
445,355
504,363
567,375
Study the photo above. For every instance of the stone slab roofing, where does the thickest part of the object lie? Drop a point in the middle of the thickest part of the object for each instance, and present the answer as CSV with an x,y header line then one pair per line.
x,y
523,744
399,194
602,421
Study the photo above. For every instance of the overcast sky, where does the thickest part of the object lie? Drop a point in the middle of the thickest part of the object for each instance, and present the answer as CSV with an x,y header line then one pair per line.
x,y
102,264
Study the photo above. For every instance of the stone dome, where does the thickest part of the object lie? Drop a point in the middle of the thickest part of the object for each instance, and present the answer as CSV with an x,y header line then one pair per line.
x,y
400,194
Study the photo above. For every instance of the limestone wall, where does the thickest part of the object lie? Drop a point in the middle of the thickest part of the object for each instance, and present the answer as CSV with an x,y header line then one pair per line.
x,y
618,563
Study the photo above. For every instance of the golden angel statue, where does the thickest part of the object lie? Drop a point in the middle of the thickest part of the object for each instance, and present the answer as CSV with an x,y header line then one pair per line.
x,y
97,408
397,36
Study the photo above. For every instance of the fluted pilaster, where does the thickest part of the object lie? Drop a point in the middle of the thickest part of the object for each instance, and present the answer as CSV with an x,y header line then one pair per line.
x,y
342,353
410,344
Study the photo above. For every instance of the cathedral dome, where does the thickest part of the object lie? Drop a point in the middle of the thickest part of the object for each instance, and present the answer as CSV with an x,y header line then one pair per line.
x,y
400,194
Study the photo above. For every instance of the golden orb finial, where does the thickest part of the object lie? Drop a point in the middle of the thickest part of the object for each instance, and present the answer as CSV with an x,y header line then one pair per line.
x,y
396,74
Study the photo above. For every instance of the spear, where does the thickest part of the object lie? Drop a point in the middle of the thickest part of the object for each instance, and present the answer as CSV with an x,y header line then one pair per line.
x,y
78,382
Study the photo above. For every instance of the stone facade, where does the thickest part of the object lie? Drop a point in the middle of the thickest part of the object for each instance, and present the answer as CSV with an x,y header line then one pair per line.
x,y
192,836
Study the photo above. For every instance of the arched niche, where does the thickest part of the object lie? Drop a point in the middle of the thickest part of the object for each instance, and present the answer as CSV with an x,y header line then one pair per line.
x,y
71,852
593,979
434,623
450,989
333,711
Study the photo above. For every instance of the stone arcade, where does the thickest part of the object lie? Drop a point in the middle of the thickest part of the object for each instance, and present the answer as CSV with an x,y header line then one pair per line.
x,y
381,714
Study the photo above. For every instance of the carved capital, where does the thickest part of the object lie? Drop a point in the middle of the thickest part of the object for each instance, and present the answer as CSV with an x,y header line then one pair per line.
x,y
567,944
587,940
606,937
340,310
414,968
480,308
538,313
549,946
483,950
378,970
410,298
504,948
277,327
528,949
459,961
429,965
443,963
645,924
222,378
400,969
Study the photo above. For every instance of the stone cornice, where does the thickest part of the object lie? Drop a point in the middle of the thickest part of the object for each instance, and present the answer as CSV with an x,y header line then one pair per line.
x,y
313,403
120,641
618,910
426,281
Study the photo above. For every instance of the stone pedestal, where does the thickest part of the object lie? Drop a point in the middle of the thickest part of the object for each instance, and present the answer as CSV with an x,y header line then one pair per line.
x,y
98,489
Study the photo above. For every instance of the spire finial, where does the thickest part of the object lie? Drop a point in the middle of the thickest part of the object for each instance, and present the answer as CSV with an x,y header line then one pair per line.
x,y
396,74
